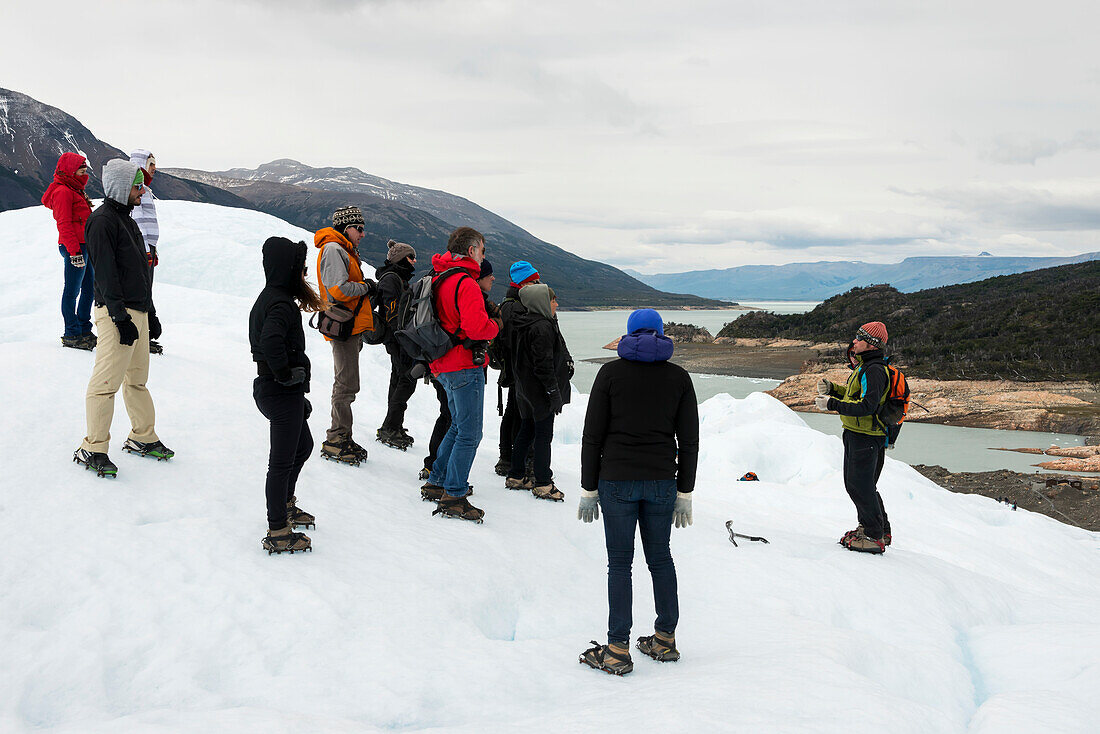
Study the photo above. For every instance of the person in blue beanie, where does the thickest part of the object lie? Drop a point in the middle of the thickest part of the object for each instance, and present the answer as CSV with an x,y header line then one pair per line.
x,y
639,453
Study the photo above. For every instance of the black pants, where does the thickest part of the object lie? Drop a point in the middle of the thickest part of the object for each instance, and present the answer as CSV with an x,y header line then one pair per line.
x,y
291,444
538,433
442,424
509,425
401,389
863,458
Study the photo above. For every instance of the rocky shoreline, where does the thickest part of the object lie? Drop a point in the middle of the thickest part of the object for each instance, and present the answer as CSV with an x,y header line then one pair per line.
x,y
1068,499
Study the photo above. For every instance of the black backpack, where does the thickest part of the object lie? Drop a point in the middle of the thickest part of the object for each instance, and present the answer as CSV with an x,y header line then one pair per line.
x,y
419,332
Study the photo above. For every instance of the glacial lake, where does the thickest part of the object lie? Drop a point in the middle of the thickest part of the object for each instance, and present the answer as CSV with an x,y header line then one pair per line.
x,y
957,449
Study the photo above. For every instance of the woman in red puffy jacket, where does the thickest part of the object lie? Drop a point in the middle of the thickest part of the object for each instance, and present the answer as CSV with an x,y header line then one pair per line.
x,y
71,207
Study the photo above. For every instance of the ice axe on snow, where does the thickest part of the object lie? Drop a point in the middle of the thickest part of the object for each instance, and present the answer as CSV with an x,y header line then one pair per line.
x,y
734,536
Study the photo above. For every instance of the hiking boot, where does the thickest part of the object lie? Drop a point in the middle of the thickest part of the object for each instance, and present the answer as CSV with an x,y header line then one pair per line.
x,y
431,492
660,647
76,342
342,452
424,474
863,543
286,540
405,435
297,517
391,437
91,340
850,534
548,492
613,659
502,466
458,507
99,463
357,449
886,538
513,483
156,449
155,347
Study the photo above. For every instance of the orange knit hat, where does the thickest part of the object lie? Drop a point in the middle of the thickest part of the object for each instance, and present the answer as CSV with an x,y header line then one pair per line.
x,y
874,333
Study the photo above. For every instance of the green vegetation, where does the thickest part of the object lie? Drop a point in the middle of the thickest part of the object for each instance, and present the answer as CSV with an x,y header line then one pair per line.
x,y
1042,325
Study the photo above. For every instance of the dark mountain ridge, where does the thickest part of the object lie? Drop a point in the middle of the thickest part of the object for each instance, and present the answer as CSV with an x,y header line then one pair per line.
x,y
1039,325
819,280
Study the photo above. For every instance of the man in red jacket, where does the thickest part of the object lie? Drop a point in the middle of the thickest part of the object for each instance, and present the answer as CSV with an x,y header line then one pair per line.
x,y
461,309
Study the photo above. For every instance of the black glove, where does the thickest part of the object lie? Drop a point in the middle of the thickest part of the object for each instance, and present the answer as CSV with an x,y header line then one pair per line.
x,y
127,332
309,408
297,377
372,288
555,401
154,327
569,370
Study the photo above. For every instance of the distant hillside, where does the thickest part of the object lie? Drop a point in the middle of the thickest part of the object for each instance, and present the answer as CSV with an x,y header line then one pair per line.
x,y
424,218
1041,325
33,136
820,280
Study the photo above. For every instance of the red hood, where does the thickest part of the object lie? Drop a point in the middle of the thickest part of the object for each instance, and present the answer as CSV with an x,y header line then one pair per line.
x,y
65,175
447,260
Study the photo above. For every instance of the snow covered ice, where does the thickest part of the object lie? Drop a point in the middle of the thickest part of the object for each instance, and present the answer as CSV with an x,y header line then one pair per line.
x,y
145,604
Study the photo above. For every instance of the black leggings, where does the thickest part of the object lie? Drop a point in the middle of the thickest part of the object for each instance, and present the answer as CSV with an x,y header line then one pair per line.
x,y
442,424
401,389
291,444
538,433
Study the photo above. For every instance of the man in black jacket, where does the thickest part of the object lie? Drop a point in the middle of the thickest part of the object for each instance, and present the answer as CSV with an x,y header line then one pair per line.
x,y
639,453
393,282
522,274
125,321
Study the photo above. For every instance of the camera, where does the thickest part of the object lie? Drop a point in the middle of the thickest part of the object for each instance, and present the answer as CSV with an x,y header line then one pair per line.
x,y
478,352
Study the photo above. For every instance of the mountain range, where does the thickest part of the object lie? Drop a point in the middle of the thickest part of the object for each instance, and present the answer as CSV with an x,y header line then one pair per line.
x,y
33,135
820,280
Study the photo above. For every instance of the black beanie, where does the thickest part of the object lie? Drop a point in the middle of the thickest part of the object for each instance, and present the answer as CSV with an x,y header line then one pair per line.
x,y
486,269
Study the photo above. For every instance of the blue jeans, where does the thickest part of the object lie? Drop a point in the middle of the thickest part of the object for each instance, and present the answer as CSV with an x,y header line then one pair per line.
x,y
466,400
76,296
647,504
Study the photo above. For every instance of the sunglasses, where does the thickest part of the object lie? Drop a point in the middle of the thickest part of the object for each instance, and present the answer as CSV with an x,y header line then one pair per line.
x,y
359,227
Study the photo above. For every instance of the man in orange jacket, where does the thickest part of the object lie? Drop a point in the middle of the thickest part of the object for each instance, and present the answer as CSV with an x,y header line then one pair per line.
x,y
340,279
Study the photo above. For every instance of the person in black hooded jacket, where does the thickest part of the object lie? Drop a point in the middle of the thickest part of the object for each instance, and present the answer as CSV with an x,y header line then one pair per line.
x,y
278,345
542,367
393,282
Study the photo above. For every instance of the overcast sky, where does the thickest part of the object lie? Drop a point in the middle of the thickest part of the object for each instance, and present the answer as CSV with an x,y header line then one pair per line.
x,y
658,136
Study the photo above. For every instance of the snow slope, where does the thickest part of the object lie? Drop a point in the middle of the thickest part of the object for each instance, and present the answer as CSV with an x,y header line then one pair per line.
x,y
145,604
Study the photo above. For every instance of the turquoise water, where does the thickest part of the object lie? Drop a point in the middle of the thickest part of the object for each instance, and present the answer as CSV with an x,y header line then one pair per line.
x,y
957,449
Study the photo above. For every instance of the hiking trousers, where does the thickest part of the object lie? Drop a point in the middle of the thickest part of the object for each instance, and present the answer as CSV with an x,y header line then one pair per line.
x,y
118,365
442,425
509,425
345,386
291,444
537,435
863,459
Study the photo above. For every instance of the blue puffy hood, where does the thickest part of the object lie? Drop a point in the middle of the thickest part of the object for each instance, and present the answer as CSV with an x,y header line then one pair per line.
x,y
645,345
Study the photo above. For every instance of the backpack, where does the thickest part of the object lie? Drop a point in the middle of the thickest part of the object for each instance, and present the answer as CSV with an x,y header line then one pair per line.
x,y
896,407
419,332
383,328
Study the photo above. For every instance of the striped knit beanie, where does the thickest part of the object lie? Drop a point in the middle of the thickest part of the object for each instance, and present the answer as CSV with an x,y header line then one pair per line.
x,y
345,217
874,333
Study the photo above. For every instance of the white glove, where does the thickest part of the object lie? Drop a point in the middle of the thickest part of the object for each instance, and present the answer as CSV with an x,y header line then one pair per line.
x,y
822,402
589,507
681,513
824,387
77,261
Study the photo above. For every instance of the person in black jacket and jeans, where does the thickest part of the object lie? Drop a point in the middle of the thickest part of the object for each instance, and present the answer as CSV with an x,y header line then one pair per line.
x,y
639,453
542,367
279,350
393,282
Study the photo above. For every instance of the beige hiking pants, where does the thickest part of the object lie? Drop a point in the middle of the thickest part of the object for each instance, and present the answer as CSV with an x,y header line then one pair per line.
x,y
345,361
117,366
